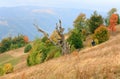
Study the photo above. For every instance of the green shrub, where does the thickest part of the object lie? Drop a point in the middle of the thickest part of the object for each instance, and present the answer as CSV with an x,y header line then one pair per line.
x,y
76,39
1,71
50,56
36,53
101,34
2,49
57,54
53,52
5,44
19,40
34,58
10,43
44,39
27,48
8,68
13,46
41,52
38,58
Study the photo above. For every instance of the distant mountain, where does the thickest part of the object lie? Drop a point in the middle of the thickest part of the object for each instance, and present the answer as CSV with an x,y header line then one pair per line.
x,y
19,20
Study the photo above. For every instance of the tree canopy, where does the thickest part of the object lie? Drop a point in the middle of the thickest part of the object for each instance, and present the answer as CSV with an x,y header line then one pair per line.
x,y
95,21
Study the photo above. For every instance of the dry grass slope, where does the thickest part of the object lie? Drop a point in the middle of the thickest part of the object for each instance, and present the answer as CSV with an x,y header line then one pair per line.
x,y
99,62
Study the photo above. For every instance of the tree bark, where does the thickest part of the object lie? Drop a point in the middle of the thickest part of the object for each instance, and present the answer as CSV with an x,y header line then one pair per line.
x,y
62,42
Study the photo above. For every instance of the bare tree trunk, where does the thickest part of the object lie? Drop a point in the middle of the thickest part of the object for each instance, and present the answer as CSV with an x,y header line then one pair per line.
x,y
62,43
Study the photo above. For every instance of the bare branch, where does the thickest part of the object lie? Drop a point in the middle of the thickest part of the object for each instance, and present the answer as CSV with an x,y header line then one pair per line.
x,y
61,42
44,33
40,30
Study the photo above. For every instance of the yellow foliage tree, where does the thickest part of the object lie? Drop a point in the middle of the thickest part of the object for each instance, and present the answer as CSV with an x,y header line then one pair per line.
x,y
8,68
55,36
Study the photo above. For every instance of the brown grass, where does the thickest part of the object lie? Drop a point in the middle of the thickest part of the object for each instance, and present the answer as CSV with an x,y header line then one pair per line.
x,y
98,62
17,52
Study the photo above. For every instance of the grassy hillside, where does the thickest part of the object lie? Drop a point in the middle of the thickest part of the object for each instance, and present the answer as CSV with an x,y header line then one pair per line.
x,y
98,62
16,57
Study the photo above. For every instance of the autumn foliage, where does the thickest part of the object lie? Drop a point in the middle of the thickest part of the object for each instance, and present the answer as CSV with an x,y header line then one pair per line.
x,y
8,68
113,22
101,34
26,39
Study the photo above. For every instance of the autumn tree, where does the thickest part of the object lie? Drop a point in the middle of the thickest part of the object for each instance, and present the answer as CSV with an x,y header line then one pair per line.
x,y
107,19
101,34
113,22
26,39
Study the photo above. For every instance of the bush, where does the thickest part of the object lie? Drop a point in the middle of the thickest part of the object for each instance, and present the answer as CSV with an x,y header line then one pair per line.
x,y
37,53
41,51
5,44
10,43
75,39
57,54
101,34
95,21
13,46
8,68
2,49
96,41
34,58
44,39
27,48
53,53
1,71
19,40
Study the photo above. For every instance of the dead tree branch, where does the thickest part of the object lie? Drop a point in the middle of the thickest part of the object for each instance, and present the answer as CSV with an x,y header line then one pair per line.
x,y
62,42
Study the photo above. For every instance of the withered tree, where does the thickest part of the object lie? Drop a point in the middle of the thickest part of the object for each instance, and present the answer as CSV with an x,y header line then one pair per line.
x,y
62,43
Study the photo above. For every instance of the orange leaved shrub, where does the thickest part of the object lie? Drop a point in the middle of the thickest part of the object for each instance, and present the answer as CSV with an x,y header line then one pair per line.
x,y
113,22
26,39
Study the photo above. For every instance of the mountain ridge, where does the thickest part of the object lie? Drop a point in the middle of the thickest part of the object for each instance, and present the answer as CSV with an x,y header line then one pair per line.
x,y
19,20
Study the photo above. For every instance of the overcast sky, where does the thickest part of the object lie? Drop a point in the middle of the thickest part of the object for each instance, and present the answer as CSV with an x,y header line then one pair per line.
x,y
103,5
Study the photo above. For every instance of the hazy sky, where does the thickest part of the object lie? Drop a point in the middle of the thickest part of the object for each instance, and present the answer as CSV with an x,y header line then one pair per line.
x,y
103,5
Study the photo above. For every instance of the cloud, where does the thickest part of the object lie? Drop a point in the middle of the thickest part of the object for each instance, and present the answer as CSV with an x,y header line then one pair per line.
x,y
48,11
5,23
